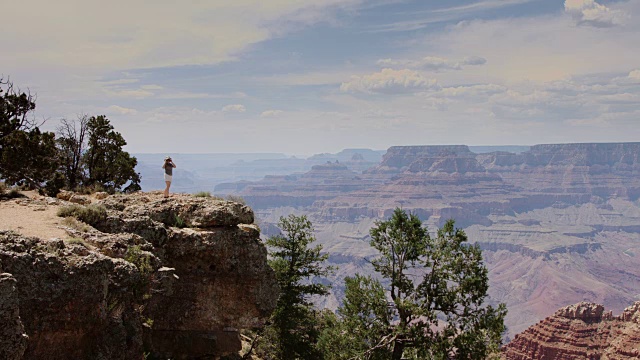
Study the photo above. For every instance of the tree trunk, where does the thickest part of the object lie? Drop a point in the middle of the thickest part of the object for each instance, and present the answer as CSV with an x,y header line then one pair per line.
x,y
398,349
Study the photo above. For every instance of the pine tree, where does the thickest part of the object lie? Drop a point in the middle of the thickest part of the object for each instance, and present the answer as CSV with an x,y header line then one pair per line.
x,y
294,328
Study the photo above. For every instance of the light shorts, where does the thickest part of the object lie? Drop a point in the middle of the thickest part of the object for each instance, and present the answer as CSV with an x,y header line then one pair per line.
x,y
168,177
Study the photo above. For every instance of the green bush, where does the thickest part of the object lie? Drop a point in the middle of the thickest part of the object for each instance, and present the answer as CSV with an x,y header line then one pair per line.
x,y
137,257
204,194
54,185
12,194
77,241
179,222
92,214
75,224
237,199
92,189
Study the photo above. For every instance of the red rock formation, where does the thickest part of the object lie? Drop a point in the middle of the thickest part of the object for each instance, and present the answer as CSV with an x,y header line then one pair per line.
x,y
581,331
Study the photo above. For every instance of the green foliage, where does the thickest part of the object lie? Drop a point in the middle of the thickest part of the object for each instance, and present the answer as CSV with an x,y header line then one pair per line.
x,y
204,194
75,224
15,107
294,329
179,222
137,257
364,319
92,189
29,157
7,192
437,289
92,214
55,184
106,163
237,199
77,241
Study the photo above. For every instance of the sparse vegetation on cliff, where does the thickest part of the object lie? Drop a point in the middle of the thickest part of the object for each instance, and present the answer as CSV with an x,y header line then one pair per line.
x,y
92,214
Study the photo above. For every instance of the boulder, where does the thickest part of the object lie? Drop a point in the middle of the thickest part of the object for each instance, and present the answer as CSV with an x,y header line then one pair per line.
x,y
80,199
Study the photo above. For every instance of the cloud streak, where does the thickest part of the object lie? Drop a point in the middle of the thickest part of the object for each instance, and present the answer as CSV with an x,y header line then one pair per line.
x,y
433,63
389,81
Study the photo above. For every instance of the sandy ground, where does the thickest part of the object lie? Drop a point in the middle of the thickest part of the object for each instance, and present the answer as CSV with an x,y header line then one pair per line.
x,y
31,218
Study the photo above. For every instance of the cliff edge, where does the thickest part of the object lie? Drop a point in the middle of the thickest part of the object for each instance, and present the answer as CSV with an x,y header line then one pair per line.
x,y
170,278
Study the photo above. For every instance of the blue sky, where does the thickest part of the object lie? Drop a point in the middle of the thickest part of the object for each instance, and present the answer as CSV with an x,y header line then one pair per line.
x,y
305,77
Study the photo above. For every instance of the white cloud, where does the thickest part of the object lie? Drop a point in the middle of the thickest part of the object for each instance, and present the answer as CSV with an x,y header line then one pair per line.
x,y
389,81
589,12
151,87
635,74
122,110
433,63
543,48
124,34
129,93
271,113
234,108
471,90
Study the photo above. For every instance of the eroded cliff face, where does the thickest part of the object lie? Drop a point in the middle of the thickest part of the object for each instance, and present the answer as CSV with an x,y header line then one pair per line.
x,y
138,283
580,331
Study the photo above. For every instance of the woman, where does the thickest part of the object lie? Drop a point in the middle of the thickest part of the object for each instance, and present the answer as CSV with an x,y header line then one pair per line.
x,y
168,174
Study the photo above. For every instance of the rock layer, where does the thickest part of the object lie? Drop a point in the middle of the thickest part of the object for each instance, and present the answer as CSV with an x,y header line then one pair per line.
x,y
581,331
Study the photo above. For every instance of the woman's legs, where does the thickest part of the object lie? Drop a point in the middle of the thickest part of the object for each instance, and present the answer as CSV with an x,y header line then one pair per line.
x,y
166,190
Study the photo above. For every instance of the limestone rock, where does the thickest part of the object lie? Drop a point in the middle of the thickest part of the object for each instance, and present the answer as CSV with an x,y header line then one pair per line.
x,y
74,303
585,311
136,278
65,195
80,199
13,340
191,211
100,195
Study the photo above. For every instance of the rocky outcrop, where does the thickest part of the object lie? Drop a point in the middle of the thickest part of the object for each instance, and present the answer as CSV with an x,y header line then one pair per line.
x,y
74,303
175,278
580,331
13,340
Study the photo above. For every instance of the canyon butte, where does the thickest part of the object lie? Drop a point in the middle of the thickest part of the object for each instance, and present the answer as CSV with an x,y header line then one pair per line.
x,y
558,224
152,278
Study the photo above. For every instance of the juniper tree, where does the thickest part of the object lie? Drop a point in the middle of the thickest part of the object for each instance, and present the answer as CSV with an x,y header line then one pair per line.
x,y
27,155
436,290
106,163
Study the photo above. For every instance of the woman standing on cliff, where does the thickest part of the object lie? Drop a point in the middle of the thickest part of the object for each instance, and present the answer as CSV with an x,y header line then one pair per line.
x,y
168,174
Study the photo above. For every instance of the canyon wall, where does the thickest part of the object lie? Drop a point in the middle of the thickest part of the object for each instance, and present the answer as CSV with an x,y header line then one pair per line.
x,y
559,223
